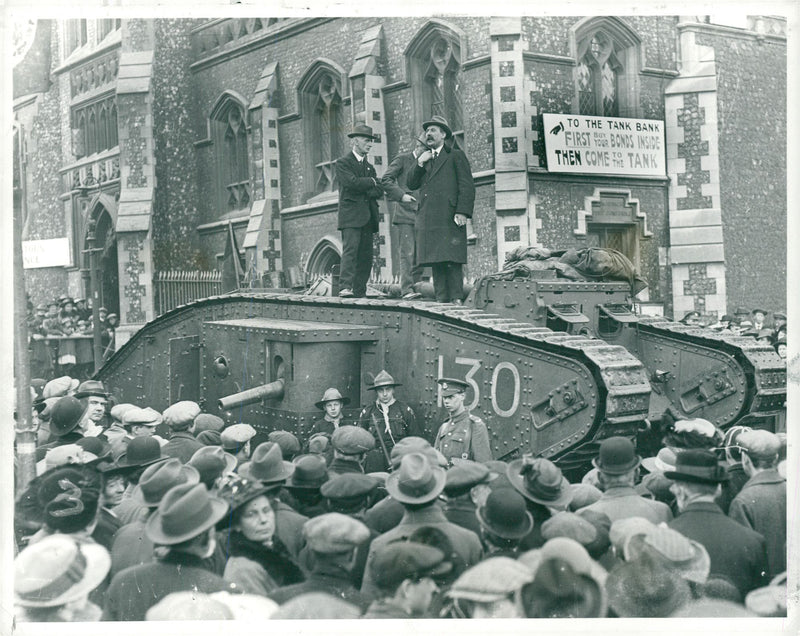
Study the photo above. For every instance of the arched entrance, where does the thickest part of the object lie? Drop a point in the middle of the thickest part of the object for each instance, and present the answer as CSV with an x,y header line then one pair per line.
x,y
326,255
107,267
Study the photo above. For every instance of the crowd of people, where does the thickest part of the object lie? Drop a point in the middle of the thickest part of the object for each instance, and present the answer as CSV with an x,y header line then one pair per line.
x,y
139,515
764,326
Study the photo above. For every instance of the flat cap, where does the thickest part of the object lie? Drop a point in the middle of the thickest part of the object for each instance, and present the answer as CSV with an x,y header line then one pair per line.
x,y
288,442
760,444
491,580
352,440
208,422
334,533
463,476
348,486
395,562
59,387
235,436
118,410
570,525
137,416
316,605
180,416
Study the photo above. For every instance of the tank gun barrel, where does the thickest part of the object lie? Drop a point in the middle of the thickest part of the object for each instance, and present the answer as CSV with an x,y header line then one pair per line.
x,y
268,391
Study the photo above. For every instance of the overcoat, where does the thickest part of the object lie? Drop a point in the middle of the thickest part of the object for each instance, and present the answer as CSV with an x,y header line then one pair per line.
x,y
358,194
445,189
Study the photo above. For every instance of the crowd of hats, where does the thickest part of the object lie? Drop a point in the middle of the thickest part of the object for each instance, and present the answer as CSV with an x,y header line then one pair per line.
x,y
68,316
585,565
758,323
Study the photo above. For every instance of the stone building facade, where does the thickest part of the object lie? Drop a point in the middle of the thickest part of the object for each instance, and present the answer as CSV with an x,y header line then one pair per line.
x,y
165,135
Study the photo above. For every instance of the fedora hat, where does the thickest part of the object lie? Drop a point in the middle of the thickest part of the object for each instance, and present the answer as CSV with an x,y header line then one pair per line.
x,y
158,479
697,466
141,451
557,591
330,395
57,570
267,465
617,456
361,130
645,587
65,415
416,481
381,380
539,480
504,514
91,388
310,472
185,511
438,120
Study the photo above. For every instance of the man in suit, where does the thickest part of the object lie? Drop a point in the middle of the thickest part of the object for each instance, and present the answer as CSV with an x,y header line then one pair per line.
x,y
446,200
737,553
359,191
404,216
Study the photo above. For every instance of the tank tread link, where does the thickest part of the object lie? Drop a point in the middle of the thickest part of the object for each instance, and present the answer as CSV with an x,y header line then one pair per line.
x,y
538,390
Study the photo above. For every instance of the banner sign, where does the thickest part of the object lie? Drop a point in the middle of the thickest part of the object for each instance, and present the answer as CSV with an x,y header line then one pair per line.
x,y
605,145
46,253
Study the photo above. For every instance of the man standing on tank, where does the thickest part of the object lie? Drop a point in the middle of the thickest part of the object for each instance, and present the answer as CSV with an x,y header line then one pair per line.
x,y
359,191
446,200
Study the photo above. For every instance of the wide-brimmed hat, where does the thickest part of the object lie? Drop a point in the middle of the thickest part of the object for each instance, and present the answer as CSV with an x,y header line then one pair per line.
x,y
185,512
416,481
617,456
557,591
661,462
361,130
141,451
211,462
539,480
504,514
330,395
698,466
645,587
65,415
267,465
310,472
57,570
438,120
158,479
91,388
381,380
685,555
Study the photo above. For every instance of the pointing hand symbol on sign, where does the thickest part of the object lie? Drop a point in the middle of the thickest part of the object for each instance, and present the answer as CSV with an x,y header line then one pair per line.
x,y
557,129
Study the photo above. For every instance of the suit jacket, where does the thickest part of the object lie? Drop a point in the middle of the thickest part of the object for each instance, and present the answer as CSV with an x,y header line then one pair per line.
x,y
395,184
358,193
761,505
736,552
445,188
621,503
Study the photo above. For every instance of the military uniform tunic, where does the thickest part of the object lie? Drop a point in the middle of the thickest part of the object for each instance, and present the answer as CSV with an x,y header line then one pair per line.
x,y
464,436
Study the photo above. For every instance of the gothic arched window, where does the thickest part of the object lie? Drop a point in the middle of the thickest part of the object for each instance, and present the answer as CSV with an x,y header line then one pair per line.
x,y
229,125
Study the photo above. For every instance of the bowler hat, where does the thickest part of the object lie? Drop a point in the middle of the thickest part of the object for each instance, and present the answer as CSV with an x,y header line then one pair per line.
x,y
395,562
185,512
697,466
451,386
334,533
57,570
310,472
416,481
141,451
504,514
557,591
617,456
645,587
59,387
158,479
438,120
539,480
352,440
381,380
65,415
330,395
361,130
267,465
211,462
91,388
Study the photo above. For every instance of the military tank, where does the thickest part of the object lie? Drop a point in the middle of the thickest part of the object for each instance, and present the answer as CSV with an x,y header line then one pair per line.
x,y
553,366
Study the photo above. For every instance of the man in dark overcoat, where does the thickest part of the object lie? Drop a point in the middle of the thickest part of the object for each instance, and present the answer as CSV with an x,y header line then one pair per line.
x,y
359,191
446,199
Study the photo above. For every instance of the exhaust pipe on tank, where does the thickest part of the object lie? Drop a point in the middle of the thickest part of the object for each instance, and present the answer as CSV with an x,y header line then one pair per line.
x,y
269,391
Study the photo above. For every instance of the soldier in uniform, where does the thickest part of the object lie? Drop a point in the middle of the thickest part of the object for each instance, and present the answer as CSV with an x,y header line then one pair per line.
x,y
388,420
463,435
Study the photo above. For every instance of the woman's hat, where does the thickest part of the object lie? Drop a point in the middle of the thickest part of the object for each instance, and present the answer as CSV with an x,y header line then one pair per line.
x,y
381,380
310,472
267,465
416,481
69,497
330,395
504,514
185,512
539,480
238,490
65,415
438,120
617,456
57,570
158,479
645,587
